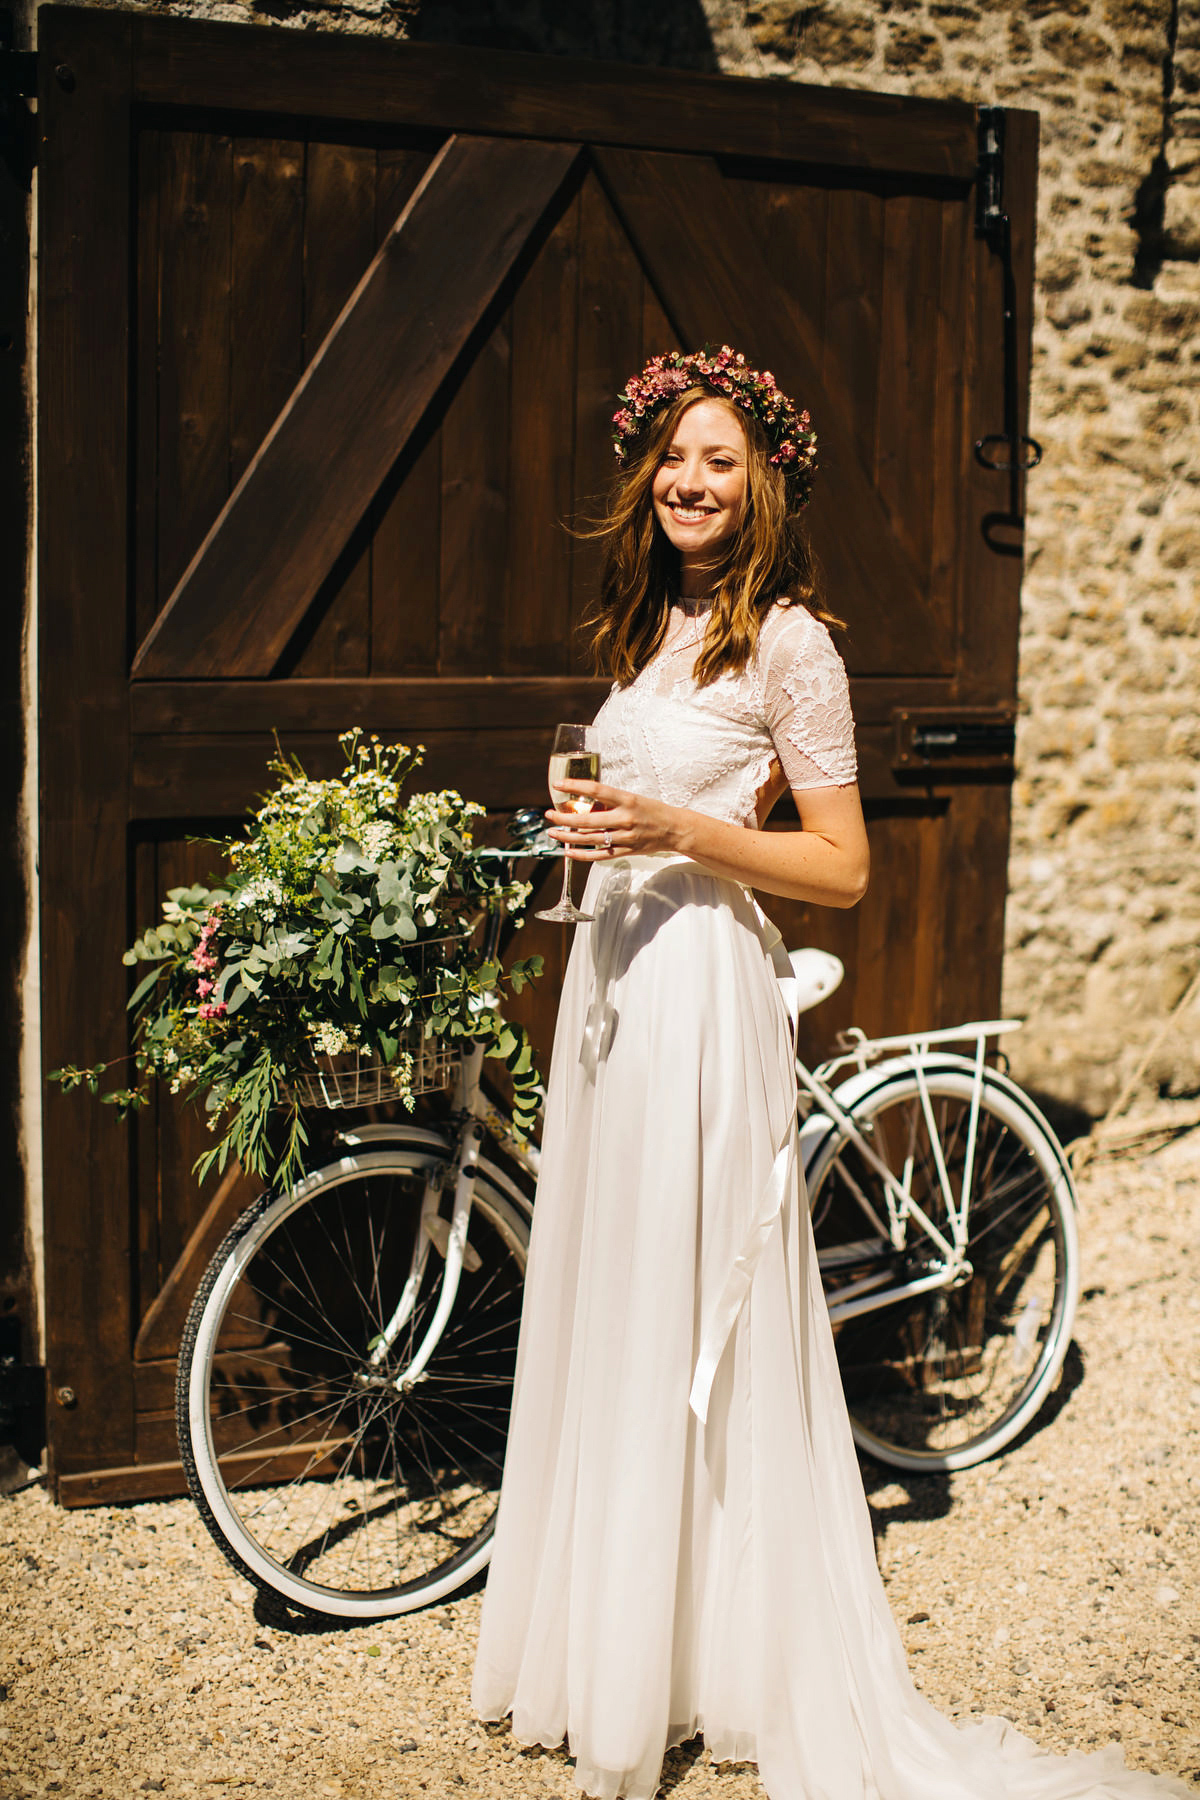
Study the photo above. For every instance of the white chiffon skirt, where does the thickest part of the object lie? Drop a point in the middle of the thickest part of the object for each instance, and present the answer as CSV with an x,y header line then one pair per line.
x,y
683,1543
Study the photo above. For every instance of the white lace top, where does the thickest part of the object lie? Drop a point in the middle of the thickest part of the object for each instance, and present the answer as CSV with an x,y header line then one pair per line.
x,y
712,748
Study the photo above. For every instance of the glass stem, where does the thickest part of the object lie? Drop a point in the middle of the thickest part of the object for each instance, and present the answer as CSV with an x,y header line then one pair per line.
x,y
565,897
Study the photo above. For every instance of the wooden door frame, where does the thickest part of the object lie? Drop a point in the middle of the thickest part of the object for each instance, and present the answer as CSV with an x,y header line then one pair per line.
x,y
97,70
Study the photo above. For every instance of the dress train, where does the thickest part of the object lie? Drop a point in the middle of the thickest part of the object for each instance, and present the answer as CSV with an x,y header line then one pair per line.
x,y
663,1568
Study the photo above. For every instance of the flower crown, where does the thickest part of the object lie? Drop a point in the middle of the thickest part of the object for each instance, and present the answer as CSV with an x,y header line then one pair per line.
x,y
727,376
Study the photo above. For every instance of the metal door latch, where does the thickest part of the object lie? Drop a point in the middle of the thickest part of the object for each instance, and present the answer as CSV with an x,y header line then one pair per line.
x,y
1011,451
974,740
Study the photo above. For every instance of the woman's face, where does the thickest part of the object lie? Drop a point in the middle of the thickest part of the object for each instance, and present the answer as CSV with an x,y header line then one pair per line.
x,y
700,486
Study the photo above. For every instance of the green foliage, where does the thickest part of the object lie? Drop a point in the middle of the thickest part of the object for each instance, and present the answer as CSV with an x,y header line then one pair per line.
x,y
345,922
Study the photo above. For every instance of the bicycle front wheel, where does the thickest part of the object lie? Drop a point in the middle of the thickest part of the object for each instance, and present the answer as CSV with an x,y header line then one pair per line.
x,y
321,1480
944,1378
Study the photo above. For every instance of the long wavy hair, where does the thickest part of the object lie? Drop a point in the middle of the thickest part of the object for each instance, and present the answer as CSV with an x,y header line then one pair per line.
x,y
768,559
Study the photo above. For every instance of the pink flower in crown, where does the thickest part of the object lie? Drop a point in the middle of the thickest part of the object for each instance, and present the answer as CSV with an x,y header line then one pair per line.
x,y
215,1009
726,373
205,987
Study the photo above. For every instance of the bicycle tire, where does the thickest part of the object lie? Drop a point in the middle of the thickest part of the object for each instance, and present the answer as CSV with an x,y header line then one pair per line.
x,y
320,1483
947,1378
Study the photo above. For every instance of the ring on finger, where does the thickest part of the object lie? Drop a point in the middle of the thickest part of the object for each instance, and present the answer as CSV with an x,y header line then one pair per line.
x,y
608,841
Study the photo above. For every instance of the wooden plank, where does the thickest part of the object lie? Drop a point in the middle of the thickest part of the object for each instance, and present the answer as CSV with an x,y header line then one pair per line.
x,y
267,331
404,708
715,282
145,376
19,1297
194,323
658,333
160,1479
327,453
536,619
406,561
473,577
132,1481
611,287
85,175
908,349
791,212
201,777
408,708
948,440
182,62
975,861
163,1320
339,243
145,902
154,1382
887,927
934,974
406,548
853,284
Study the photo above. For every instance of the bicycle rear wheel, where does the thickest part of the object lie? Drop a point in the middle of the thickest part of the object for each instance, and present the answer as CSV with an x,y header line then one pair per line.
x,y
945,1378
319,1480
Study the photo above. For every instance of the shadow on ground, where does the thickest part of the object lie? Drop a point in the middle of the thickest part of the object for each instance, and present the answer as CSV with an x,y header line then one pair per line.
x,y
930,1496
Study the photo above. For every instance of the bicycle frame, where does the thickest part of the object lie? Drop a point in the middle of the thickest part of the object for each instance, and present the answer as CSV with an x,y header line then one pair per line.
x,y
876,1059
475,1118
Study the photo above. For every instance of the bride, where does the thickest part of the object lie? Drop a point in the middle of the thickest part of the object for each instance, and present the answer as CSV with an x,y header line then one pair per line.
x,y
683,1543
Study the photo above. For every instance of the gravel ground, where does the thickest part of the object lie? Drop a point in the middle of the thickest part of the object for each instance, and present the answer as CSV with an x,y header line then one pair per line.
x,y
1057,1586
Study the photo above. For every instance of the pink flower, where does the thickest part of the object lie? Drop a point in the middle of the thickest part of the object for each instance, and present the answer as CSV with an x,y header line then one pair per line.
x,y
214,1010
205,987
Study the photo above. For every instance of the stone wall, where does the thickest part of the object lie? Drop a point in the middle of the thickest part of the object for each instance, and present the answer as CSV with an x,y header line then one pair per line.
x,y
1104,906
1104,909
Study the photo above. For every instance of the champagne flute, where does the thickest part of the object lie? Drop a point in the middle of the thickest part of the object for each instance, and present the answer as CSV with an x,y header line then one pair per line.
x,y
575,757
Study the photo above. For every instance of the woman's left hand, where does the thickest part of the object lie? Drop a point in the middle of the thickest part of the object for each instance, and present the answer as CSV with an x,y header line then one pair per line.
x,y
628,825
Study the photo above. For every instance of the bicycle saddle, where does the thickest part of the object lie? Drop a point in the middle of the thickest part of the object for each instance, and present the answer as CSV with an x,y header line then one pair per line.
x,y
818,974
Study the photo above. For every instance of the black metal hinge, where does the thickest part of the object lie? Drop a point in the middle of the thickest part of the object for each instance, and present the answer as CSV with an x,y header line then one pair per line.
x,y
18,68
18,83
21,1384
1010,451
991,221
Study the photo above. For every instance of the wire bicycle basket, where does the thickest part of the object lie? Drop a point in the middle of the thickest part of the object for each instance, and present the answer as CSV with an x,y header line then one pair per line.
x,y
422,1065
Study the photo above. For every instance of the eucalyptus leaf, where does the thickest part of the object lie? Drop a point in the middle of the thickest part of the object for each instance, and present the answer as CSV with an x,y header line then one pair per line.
x,y
142,989
351,857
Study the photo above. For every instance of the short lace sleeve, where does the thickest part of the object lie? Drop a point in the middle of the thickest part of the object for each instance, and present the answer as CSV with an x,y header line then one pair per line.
x,y
806,700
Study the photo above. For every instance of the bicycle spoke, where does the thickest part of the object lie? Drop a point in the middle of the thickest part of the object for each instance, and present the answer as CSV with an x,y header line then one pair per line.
x,y
941,1371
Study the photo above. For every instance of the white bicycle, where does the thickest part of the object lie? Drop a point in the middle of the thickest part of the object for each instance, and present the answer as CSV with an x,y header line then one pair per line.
x,y
347,1366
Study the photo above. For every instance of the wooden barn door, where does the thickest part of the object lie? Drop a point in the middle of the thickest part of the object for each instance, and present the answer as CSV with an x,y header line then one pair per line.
x,y
330,335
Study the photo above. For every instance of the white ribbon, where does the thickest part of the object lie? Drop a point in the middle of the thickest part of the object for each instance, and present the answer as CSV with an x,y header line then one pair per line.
x,y
724,1314
617,889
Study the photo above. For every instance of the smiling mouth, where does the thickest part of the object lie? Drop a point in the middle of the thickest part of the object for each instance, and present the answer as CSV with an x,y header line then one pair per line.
x,y
691,515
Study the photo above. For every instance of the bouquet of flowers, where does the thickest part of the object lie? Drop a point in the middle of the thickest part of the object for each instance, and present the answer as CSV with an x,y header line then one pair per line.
x,y
343,928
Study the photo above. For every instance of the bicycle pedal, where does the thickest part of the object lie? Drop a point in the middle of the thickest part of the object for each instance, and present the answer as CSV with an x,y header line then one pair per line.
x,y
437,1230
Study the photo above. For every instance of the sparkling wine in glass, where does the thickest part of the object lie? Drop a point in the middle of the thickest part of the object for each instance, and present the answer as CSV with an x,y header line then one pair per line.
x,y
575,757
